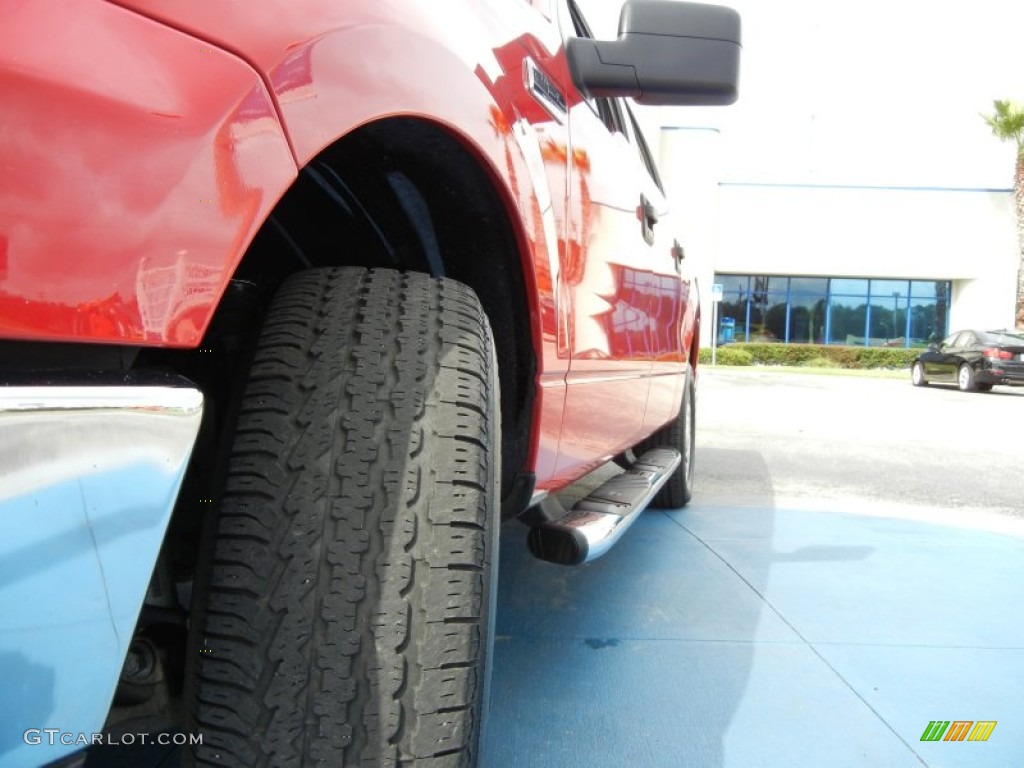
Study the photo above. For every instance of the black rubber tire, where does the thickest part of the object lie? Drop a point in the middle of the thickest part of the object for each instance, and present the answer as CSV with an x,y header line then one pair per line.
x,y
679,434
965,378
917,376
343,607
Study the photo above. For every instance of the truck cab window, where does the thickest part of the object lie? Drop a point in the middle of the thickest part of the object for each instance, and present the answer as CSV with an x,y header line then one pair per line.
x,y
608,109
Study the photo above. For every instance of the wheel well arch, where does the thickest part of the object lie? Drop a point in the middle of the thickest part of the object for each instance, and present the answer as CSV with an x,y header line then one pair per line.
x,y
407,193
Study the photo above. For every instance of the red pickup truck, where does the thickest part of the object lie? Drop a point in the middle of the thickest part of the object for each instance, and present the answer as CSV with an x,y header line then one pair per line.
x,y
298,302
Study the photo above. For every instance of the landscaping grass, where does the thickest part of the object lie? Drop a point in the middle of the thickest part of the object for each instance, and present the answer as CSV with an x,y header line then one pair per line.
x,y
830,360
863,373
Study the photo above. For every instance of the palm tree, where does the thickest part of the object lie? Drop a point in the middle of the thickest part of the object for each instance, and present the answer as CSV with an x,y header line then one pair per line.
x,y
1007,123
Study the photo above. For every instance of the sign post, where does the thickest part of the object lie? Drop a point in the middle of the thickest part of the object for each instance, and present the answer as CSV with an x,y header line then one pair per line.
x,y
717,291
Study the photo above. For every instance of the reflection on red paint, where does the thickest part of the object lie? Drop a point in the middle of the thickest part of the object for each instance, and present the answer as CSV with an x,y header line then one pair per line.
x,y
170,296
293,77
642,312
161,158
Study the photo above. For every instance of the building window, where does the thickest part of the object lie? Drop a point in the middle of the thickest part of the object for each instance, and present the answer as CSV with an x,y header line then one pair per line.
x,y
849,311
808,303
887,313
929,310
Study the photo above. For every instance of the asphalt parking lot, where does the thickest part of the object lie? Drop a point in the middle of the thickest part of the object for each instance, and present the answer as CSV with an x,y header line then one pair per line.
x,y
798,439
849,571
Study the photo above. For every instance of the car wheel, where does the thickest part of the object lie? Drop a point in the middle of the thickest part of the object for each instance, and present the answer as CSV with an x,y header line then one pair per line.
x,y
917,375
965,379
343,601
679,434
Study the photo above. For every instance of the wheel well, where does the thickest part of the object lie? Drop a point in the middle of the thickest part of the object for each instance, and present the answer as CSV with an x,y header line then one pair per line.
x,y
405,193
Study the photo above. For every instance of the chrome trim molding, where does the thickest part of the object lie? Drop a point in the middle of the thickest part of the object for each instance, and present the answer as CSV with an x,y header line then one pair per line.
x,y
49,435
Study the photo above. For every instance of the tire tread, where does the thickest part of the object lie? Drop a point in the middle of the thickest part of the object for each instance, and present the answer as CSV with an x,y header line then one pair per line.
x,y
349,564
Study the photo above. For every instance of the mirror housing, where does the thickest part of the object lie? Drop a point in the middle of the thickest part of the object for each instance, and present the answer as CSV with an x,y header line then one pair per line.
x,y
667,53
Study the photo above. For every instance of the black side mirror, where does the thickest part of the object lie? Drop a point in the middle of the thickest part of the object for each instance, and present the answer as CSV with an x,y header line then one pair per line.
x,y
668,53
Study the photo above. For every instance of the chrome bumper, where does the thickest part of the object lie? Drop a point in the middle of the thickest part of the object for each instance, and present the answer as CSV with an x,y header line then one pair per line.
x,y
88,479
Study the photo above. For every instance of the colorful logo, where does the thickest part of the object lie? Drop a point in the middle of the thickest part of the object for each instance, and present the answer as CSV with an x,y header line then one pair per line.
x,y
958,730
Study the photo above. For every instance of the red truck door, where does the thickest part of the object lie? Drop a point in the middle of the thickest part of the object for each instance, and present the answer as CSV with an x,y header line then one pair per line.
x,y
614,284
610,274
667,289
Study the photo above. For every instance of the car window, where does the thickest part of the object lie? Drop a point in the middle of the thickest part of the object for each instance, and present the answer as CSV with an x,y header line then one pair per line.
x,y
645,152
966,339
950,341
958,339
1002,338
608,109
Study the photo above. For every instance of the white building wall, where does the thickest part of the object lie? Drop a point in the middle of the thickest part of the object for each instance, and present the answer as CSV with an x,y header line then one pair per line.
x,y
966,236
865,232
690,166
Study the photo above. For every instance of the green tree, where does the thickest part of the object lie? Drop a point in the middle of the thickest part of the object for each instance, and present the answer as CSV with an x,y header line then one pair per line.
x,y
1007,123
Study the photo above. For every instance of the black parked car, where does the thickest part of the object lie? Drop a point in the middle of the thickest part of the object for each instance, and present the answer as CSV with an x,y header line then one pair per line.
x,y
973,360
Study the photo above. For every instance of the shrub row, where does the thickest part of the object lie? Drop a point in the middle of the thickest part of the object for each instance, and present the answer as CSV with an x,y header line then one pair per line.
x,y
812,356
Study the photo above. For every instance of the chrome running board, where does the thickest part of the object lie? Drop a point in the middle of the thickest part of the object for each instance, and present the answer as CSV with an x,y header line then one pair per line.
x,y
596,522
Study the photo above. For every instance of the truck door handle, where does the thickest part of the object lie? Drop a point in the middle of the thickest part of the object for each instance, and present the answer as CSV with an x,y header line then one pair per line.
x,y
648,218
678,254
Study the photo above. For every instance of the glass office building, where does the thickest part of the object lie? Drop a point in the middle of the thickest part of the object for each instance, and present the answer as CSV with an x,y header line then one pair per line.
x,y
834,310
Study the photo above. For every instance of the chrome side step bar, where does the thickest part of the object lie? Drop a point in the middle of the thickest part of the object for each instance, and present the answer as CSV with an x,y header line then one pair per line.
x,y
596,522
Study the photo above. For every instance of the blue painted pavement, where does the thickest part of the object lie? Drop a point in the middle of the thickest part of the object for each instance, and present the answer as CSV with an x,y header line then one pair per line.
x,y
743,637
